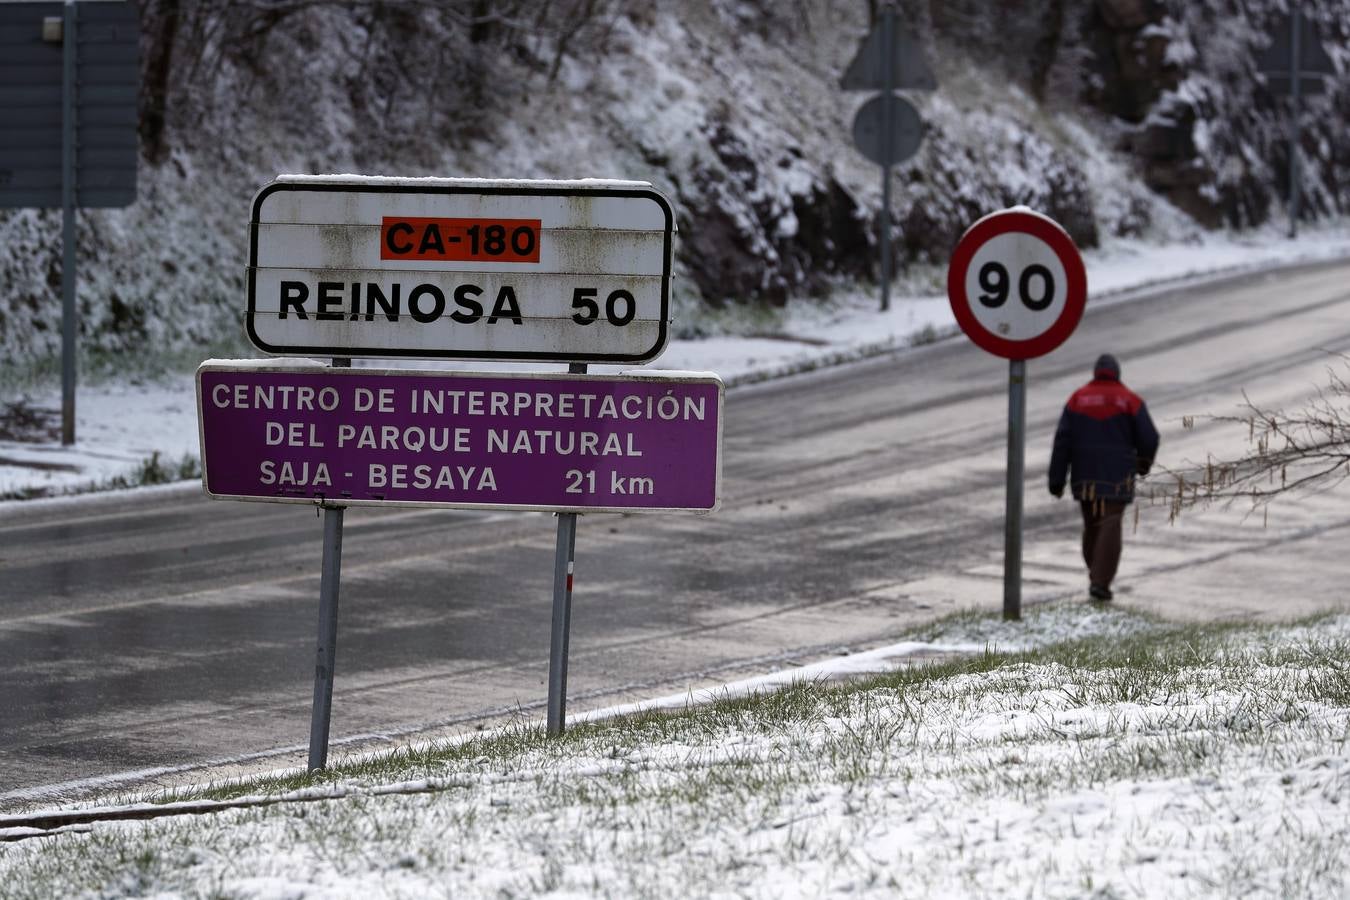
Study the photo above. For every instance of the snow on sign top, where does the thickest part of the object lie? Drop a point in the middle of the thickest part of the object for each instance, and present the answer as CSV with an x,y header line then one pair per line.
x,y
436,181
460,268
1017,284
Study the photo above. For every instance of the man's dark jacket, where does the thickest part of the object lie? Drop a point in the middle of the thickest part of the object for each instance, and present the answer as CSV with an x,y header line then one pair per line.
x,y
1106,438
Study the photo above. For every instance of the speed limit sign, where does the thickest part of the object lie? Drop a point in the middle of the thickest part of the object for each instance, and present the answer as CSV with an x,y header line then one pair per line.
x,y
1018,287
1017,284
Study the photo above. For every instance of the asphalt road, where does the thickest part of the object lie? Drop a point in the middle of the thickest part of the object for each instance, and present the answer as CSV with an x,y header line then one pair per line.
x,y
162,632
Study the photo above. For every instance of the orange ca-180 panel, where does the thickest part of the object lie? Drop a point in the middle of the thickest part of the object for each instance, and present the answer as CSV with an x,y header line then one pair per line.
x,y
460,240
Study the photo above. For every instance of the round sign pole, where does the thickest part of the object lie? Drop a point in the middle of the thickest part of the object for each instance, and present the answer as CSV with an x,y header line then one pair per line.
x,y
888,150
564,565
888,130
1012,521
330,578
1018,288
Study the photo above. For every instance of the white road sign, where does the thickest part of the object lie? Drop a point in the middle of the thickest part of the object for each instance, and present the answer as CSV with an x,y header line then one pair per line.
x,y
575,271
1017,284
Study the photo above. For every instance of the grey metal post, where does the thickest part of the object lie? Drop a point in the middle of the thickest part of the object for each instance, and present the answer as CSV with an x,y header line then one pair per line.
x,y
1012,539
326,653
564,559
1295,134
69,324
887,147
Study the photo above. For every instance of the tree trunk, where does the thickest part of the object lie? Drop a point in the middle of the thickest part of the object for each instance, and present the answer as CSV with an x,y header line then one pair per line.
x,y
154,98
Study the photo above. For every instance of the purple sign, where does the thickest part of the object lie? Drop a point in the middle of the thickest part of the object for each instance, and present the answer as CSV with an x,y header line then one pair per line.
x,y
586,443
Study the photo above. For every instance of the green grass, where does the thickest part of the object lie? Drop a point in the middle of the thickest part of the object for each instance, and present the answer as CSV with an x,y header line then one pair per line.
x,y
1149,666
719,797
154,470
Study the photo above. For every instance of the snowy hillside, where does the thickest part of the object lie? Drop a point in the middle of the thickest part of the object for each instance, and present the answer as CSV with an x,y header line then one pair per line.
x,y
1113,116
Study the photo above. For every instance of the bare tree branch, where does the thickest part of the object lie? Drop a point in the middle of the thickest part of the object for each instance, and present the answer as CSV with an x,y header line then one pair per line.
x,y
1289,452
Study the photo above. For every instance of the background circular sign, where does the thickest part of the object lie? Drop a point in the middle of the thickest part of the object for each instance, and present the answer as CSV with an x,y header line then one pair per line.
x,y
906,130
1017,284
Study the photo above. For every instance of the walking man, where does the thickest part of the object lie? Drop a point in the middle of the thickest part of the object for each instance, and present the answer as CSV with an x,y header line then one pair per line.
x,y
1105,439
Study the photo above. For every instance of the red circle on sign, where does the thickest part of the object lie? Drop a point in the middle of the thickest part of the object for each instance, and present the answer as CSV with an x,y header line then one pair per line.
x,y
1048,231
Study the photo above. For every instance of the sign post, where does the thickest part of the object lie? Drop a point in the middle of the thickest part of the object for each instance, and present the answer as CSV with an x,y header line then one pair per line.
x,y
330,577
1018,287
1295,116
456,269
1295,64
887,147
69,78
560,634
326,650
1012,515
567,271
887,129
564,566
68,309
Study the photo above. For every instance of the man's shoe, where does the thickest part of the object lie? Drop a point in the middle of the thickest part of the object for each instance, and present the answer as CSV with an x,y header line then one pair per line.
x,y
1098,593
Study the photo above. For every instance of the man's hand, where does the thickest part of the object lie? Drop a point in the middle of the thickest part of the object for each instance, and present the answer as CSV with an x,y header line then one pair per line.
x,y
1057,491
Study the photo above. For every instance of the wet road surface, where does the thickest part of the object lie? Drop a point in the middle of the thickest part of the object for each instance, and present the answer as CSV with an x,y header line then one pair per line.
x,y
162,631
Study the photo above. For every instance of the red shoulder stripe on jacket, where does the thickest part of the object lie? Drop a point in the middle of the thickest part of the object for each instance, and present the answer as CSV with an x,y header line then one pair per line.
x,y
1104,399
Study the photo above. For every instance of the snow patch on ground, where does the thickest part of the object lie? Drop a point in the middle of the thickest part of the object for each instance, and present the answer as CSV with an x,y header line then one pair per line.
x,y
1220,771
1044,627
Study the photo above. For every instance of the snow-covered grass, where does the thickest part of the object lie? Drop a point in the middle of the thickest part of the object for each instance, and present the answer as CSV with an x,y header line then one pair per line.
x,y
1093,753
125,422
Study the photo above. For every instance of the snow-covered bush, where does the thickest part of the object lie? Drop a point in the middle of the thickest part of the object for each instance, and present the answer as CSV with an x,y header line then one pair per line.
x,y
731,107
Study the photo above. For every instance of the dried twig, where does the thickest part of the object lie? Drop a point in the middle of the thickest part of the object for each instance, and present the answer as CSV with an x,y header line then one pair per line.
x,y
1303,450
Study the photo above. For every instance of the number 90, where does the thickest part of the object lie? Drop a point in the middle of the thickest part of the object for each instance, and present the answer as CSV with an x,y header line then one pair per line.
x,y
1036,287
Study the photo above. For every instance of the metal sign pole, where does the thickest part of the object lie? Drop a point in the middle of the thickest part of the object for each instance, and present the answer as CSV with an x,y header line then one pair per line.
x,y
887,147
326,652
1295,136
1012,540
68,175
564,562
